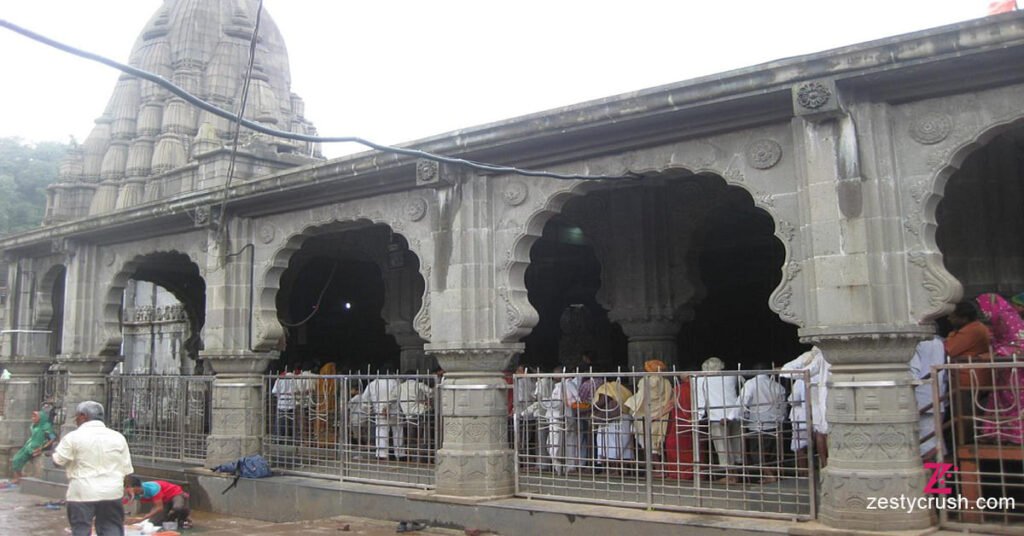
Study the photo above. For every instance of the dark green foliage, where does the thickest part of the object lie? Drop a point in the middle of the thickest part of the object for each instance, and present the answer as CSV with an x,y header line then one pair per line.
x,y
25,171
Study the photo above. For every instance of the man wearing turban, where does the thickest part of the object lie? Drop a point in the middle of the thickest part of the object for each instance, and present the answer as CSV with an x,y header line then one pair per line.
x,y
650,406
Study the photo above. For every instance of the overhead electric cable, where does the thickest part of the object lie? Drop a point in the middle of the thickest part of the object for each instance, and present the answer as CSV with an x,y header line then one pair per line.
x,y
252,125
238,119
243,99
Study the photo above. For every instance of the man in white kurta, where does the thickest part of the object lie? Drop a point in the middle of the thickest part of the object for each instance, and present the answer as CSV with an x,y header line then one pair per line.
x,y
718,401
414,402
96,460
382,395
763,403
539,407
813,361
563,445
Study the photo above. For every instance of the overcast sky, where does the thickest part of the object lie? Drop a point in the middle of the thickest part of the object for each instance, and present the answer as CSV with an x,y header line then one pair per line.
x,y
395,71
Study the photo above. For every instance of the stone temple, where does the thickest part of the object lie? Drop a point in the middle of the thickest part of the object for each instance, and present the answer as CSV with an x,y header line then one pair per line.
x,y
844,199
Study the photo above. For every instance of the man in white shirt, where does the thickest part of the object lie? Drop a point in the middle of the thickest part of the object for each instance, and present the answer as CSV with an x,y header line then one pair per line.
x,y
718,401
539,407
96,460
523,392
562,444
382,395
284,414
763,402
414,401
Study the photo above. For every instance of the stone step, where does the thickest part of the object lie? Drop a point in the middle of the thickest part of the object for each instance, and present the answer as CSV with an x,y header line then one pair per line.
x,y
54,474
43,488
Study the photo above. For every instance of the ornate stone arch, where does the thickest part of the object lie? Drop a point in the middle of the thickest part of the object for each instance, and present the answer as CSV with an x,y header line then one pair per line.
x,y
410,214
110,337
43,313
545,200
945,132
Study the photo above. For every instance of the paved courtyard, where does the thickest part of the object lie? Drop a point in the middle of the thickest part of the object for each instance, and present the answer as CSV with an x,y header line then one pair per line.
x,y
24,514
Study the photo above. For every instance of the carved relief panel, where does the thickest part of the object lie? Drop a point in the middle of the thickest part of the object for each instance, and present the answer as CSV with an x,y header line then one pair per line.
x,y
932,138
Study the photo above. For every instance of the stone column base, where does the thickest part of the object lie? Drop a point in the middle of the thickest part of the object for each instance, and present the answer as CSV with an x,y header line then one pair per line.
x,y
236,415
475,460
872,430
481,474
845,495
223,449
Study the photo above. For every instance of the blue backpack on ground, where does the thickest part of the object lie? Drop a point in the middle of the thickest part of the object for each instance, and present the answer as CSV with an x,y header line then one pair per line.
x,y
245,467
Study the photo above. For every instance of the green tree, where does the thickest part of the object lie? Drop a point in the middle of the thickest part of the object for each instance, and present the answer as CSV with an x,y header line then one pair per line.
x,y
25,171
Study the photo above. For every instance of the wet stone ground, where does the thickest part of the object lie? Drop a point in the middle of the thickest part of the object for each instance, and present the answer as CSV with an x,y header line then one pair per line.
x,y
23,514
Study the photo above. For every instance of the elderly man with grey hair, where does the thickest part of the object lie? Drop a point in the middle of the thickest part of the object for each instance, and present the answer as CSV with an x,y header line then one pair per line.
x,y
718,401
96,460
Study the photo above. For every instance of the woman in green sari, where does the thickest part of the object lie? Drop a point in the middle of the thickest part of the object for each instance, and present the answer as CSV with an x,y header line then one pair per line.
x,y
40,438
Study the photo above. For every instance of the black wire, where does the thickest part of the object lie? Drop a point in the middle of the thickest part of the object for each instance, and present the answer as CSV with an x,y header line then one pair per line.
x,y
203,105
241,112
238,130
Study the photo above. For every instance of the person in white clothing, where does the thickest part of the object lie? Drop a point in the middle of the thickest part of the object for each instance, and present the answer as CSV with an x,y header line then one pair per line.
x,y
96,460
798,416
284,412
927,354
414,402
523,407
718,401
541,400
382,395
359,417
562,439
813,361
763,403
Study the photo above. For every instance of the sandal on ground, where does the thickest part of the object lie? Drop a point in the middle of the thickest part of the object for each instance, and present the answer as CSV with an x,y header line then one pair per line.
x,y
410,526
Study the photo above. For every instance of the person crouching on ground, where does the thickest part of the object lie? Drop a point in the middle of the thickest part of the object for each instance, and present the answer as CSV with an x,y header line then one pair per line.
x,y
169,502
96,459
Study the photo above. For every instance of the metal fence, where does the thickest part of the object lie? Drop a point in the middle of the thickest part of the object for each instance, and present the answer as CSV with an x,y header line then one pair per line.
x,y
164,418
981,456
364,427
697,441
54,385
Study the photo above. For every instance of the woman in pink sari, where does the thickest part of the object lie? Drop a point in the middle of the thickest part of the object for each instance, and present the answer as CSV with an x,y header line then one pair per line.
x,y
1004,417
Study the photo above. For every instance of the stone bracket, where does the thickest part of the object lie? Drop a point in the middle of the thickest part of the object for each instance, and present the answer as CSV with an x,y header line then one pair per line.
x,y
817,100
433,174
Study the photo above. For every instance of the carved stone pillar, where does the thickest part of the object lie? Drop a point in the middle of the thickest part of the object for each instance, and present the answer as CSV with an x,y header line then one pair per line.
x,y
873,436
650,337
475,459
237,404
411,354
403,292
645,240
21,397
87,380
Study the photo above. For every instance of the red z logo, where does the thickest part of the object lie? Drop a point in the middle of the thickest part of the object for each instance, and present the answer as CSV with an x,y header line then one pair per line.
x,y
939,471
